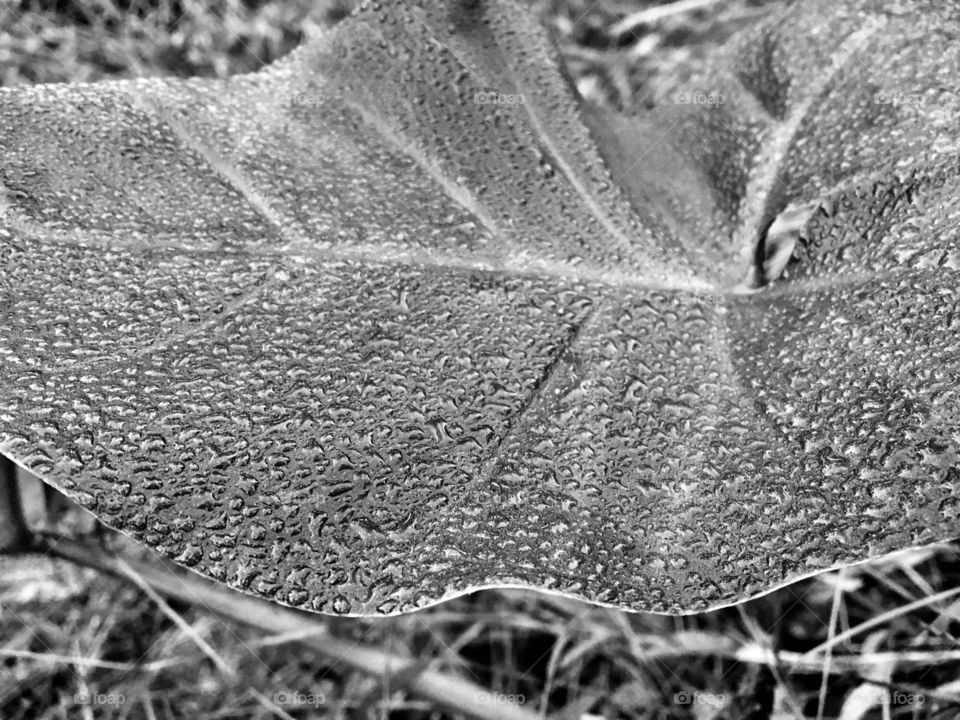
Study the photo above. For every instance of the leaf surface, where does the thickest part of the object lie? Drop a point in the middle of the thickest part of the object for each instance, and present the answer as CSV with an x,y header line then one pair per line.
x,y
395,318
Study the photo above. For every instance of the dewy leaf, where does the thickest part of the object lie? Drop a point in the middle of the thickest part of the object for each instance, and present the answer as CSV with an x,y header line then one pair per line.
x,y
394,318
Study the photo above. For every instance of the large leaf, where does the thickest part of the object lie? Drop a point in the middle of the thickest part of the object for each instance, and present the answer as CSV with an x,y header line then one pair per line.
x,y
386,322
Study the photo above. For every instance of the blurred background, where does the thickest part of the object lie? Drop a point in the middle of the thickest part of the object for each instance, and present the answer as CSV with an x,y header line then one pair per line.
x,y
874,641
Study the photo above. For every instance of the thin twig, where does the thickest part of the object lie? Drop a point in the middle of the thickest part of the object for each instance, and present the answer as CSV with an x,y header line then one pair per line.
x,y
831,633
880,620
651,15
55,659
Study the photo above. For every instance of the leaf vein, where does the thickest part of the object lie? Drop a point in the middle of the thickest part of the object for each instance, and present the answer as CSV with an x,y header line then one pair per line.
x,y
519,424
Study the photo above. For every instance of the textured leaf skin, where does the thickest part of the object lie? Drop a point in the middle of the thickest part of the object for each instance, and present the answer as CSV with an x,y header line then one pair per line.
x,y
338,335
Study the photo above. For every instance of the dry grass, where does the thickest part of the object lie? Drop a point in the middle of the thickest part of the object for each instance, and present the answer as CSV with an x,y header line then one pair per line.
x,y
81,40
888,630
876,641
